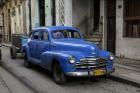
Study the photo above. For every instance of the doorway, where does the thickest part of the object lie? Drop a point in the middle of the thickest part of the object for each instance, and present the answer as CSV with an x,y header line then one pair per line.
x,y
42,12
96,14
111,25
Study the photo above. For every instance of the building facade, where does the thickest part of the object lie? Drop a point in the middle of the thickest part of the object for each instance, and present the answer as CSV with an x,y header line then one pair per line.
x,y
128,29
115,24
14,18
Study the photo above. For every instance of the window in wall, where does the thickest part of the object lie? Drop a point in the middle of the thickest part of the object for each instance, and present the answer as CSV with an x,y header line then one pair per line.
x,y
132,18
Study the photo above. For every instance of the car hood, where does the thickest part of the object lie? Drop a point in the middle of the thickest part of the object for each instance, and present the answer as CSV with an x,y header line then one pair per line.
x,y
87,48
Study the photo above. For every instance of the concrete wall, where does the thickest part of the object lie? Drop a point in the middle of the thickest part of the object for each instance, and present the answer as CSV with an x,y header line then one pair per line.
x,y
48,12
6,21
17,21
27,22
68,12
13,24
35,13
125,47
1,22
57,5
80,14
103,23
1,18
15,18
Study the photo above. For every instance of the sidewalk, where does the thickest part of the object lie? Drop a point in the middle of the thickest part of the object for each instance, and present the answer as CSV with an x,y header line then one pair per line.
x,y
127,71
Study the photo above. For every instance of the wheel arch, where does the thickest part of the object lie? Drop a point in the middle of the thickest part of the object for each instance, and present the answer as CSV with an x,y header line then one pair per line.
x,y
54,61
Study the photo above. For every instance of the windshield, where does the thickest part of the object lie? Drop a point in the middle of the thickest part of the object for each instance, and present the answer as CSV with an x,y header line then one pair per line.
x,y
65,34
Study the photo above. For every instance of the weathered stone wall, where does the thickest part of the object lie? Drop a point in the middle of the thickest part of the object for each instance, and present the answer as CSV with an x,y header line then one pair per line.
x,y
35,13
125,47
103,23
14,18
81,14
1,25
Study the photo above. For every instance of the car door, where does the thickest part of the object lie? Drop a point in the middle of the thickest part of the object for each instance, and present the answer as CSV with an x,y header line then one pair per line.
x,y
32,44
43,44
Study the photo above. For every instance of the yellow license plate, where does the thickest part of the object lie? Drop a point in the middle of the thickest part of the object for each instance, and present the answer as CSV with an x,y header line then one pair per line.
x,y
98,72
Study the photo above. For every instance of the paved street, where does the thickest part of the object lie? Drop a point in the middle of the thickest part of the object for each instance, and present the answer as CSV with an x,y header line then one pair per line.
x,y
42,82
9,84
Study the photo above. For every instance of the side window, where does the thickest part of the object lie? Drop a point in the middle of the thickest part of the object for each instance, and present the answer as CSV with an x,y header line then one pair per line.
x,y
44,36
35,35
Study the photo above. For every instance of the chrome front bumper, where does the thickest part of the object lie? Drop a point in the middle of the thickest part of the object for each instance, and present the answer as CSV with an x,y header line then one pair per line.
x,y
87,74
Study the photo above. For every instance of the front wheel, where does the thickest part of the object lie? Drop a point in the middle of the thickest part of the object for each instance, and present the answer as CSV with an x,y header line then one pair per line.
x,y
58,74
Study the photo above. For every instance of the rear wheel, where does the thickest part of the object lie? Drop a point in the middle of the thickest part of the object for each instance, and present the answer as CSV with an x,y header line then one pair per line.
x,y
58,74
13,52
26,61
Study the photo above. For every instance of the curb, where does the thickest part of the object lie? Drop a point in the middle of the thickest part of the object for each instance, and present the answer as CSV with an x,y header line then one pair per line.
x,y
5,45
127,67
124,80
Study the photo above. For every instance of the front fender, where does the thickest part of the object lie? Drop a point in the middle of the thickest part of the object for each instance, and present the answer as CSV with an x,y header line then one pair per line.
x,y
61,57
104,54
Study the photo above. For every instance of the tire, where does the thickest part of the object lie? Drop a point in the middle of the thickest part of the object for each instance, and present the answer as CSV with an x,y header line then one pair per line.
x,y
26,61
13,52
58,74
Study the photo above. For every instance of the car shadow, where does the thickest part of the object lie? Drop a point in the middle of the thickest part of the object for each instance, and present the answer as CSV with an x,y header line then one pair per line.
x,y
71,80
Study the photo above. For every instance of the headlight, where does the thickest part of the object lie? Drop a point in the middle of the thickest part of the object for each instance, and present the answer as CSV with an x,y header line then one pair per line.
x,y
72,59
112,57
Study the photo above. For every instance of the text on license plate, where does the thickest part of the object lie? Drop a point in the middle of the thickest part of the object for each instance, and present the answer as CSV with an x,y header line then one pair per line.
x,y
98,72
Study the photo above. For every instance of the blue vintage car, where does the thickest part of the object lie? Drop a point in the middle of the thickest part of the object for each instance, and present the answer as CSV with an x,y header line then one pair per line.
x,y
63,51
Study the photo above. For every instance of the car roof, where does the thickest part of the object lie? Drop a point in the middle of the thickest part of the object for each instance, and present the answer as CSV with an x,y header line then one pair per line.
x,y
54,28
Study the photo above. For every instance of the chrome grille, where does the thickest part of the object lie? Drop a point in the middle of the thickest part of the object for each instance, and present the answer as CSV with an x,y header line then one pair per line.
x,y
91,63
